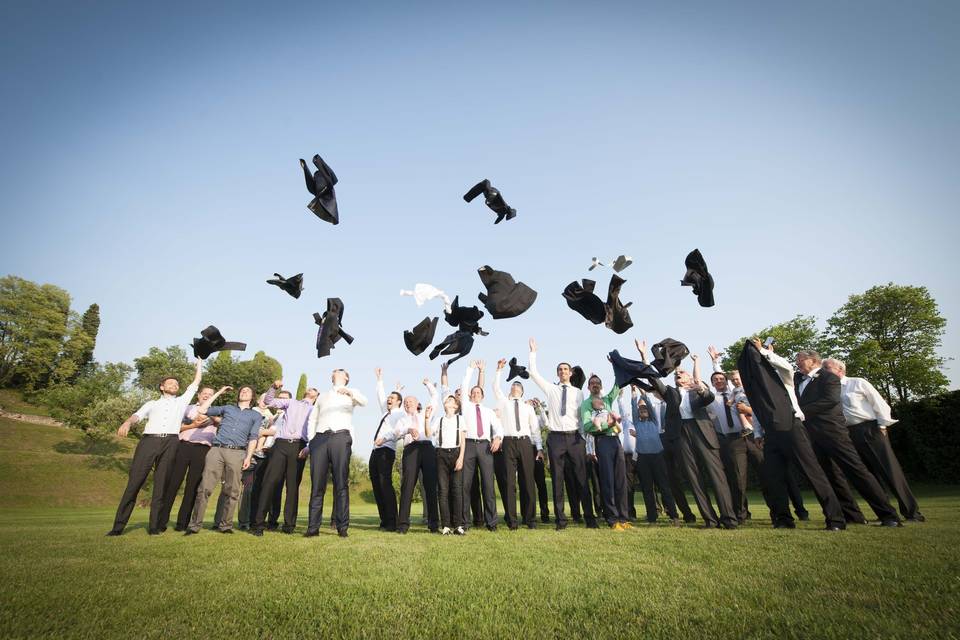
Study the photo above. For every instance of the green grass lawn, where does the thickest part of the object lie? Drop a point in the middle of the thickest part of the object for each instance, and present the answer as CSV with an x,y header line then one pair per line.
x,y
12,400
63,578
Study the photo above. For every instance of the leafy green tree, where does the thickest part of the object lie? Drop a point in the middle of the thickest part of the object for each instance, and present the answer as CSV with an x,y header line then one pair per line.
x,y
75,350
258,372
33,323
91,327
890,335
160,363
791,336
67,401
301,386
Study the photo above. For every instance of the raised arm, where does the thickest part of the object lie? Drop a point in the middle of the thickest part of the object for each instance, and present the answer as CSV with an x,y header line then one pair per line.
x,y
464,390
204,407
381,393
497,391
481,375
434,396
271,400
534,372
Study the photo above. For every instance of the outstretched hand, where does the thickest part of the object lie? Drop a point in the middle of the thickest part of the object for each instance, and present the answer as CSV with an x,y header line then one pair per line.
x,y
533,345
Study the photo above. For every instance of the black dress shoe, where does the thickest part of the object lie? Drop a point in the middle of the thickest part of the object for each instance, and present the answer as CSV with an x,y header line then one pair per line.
x,y
786,524
804,517
492,528
256,532
155,532
179,528
593,525
273,527
545,519
532,525
728,525
342,533
311,533
287,530
225,530
114,532
513,527
561,526
891,523
919,517
190,532
690,519
833,527
402,530
577,520
434,529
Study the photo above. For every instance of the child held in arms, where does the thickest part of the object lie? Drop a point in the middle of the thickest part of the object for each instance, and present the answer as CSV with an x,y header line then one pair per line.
x,y
603,418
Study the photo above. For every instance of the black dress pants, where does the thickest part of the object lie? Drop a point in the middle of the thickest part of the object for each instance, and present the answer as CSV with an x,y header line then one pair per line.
x,y
613,478
781,449
540,477
567,449
381,477
733,454
833,446
154,453
418,457
671,459
518,459
284,471
697,455
450,485
187,463
478,456
873,445
631,484
330,450
651,468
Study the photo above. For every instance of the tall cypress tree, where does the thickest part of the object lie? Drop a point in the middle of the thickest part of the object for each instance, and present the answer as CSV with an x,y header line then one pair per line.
x,y
302,386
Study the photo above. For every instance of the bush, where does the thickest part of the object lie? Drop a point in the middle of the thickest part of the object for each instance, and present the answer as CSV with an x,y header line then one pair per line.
x,y
927,438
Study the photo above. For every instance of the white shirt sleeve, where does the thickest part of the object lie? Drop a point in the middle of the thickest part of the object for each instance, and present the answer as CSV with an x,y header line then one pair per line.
x,y
143,412
381,396
359,399
314,418
880,406
497,391
496,430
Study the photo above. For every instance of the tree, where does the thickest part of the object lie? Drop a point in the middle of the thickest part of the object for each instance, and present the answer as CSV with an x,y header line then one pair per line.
x,y
91,327
890,335
791,336
68,400
302,386
159,363
224,370
75,350
33,322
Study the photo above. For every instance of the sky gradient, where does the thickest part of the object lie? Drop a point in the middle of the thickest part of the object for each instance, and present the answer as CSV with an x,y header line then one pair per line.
x,y
810,152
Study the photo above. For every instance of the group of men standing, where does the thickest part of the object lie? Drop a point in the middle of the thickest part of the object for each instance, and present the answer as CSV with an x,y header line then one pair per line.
x,y
814,421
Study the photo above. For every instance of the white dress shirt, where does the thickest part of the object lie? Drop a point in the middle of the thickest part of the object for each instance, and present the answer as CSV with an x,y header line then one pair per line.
x,y
514,411
408,423
785,371
387,422
445,428
862,403
718,413
628,441
333,411
686,411
492,428
165,414
807,377
569,421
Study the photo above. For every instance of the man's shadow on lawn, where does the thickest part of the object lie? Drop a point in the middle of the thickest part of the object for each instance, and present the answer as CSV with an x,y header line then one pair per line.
x,y
101,453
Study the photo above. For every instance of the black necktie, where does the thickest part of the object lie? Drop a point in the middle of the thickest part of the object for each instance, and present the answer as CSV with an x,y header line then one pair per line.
x,y
376,436
516,413
726,409
563,401
441,432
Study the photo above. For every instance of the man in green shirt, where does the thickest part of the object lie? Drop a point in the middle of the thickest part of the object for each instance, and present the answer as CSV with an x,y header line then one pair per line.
x,y
600,421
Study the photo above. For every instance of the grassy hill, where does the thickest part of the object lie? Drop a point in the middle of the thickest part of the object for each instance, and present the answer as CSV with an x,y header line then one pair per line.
x,y
64,579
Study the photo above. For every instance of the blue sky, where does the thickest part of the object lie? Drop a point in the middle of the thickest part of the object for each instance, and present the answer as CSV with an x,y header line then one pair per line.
x,y
150,165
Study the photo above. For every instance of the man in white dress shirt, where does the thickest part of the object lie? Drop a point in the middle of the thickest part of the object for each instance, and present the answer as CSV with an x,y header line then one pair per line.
x,y
384,455
520,428
733,442
868,416
629,443
156,450
484,435
419,458
330,430
565,444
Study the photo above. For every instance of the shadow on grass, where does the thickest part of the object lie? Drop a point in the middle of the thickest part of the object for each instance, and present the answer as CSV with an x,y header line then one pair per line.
x,y
101,453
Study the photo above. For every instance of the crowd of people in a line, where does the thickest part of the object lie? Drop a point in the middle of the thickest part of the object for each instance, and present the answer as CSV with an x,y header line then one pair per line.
x,y
812,422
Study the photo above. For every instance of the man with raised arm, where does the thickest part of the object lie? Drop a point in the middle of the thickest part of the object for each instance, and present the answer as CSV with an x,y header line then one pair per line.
x,y
156,450
565,444
521,429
